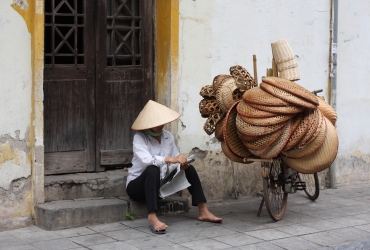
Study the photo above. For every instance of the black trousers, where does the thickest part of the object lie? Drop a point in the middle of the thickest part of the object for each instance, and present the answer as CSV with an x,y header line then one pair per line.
x,y
146,187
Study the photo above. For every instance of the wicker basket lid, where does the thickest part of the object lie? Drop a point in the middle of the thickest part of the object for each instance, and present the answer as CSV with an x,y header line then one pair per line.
x,y
327,111
267,121
320,159
262,142
300,127
282,51
234,143
291,109
310,147
220,79
291,74
261,97
287,65
293,88
219,131
313,128
275,148
253,130
289,97
245,109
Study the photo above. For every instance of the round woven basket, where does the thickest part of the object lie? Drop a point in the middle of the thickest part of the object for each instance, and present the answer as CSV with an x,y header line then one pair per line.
x,y
266,121
293,99
275,148
300,127
219,131
262,142
253,130
287,65
282,51
292,88
229,154
310,147
261,97
231,138
247,138
208,107
320,159
225,95
327,110
313,128
292,109
245,109
290,74
218,80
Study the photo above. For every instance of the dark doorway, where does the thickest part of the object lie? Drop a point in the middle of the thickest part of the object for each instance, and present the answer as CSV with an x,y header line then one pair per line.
x,y
98,75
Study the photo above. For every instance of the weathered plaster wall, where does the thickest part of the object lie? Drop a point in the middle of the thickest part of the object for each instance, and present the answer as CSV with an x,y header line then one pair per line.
x,y
216,34
353,101
21,57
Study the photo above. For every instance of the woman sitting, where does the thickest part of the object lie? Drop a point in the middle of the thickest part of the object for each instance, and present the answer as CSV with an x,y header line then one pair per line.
x,y
154,148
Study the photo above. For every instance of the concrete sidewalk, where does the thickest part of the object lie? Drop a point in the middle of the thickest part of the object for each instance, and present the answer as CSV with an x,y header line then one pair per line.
x,y
339,219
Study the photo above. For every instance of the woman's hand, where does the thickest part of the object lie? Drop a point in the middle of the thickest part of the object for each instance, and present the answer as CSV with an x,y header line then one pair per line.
x,y
176,159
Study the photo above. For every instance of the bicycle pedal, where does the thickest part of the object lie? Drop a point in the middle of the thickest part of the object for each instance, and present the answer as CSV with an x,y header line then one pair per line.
x,y
299,185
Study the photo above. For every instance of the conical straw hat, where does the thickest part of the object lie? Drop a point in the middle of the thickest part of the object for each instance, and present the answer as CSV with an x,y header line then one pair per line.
x,y
153,115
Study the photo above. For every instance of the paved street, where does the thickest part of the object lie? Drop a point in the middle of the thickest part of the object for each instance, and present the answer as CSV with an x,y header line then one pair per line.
x,y
339,219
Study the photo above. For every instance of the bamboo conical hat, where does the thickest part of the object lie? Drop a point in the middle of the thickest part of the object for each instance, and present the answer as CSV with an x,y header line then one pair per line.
x,y
154,114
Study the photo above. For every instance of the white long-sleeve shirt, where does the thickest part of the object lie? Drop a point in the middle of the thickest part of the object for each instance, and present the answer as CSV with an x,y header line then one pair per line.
x,y
148,151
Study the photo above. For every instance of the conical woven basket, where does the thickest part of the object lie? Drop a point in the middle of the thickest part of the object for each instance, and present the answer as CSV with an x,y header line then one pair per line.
x,y
310,147
275,148
261,97
287,65
266,121
262,142
252,130
319,160
282,51
292,109
292,88
218,80
286,96
244,109
231,138
225,95
327,111
291,74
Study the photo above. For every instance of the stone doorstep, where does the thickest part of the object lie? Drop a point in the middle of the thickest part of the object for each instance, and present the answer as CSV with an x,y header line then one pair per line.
x,y
110,183
65,214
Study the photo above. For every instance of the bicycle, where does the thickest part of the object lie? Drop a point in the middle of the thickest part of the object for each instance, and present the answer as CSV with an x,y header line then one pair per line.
x,y
279,180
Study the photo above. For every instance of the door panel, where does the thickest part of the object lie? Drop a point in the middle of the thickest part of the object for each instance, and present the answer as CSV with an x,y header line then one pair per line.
x,y
69,105
124,75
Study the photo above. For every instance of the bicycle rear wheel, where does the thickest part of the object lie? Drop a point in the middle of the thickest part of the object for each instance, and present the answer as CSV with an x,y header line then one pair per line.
x,y
275,197
312,185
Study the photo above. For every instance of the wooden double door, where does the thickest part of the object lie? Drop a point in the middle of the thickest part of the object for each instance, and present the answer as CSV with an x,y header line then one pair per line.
x,y
98,74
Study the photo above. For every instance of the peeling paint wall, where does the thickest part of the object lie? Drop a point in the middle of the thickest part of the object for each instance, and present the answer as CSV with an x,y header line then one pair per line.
x,y
353,100
215,35
19,50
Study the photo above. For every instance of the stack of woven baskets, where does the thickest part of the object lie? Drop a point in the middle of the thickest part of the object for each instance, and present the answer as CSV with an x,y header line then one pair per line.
x,y
276,118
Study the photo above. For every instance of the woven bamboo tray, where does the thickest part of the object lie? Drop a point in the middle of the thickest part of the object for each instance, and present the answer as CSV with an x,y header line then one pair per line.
x,y
260,97
319,160
244,109
292,88
291,109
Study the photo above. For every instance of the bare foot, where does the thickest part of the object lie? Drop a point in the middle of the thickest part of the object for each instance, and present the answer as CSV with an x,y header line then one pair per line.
x,y
206,215
157,224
